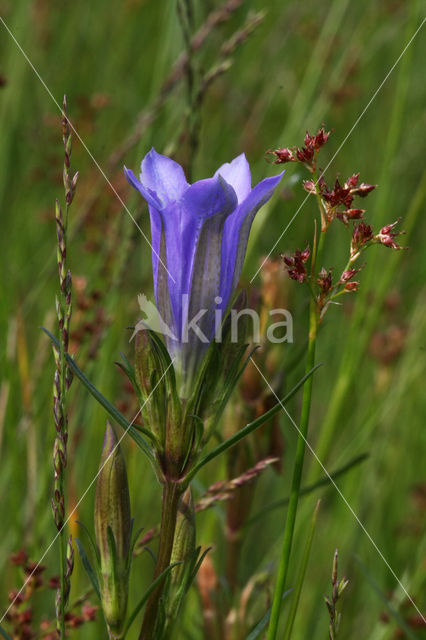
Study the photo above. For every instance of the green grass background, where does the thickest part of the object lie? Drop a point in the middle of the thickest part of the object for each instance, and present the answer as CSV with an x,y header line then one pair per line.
x,y
306,63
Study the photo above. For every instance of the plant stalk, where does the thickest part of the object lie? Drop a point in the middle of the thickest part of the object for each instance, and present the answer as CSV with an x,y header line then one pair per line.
x,y
297,478
171,495
301,443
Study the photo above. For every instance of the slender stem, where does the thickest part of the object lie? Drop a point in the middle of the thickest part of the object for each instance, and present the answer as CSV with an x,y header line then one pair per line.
x,y
301,442
171,496
296,482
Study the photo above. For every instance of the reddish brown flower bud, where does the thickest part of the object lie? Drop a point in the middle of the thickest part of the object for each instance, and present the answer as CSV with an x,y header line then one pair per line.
x,y
20,558
283,155
54,582
351,286
305,154
339,196
350,214
363,189
324,280
295,264
347,275
88,611
320,139
309,186
352,181
386,236
362,234
16,597
73,621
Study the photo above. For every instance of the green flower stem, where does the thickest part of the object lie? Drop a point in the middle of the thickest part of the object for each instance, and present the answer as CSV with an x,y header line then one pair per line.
x,y
171,496
301,442
297,478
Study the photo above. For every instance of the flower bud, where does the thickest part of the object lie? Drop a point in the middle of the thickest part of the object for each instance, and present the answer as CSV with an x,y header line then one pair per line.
x,y
113,528
184,540
150,378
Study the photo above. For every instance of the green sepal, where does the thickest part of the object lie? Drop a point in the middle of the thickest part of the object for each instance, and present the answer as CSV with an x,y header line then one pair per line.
x,y
93,544
129,371
135,538
112,548
198,563
91,573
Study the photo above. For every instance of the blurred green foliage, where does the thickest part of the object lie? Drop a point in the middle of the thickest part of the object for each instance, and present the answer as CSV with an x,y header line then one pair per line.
x,y
298,65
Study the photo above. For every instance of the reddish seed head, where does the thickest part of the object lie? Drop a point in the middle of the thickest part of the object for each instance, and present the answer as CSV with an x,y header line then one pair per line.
x,y
347,275
350,214
54,582
363,190
339,196
25,616
16,597
305,154
352,181
295,264
283,155
34,569
386,236
362,233
309,186
20,558
321,138
88,611
351,286
325,280
73,621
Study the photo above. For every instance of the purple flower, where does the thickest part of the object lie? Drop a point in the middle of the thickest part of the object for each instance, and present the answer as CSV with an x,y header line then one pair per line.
x,y
199,238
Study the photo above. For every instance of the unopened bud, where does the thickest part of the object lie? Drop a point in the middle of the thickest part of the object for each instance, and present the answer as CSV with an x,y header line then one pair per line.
x,y
113,532
184,540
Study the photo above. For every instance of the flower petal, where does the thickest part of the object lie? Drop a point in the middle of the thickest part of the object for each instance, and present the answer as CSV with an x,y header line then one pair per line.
x,y
236,233
146,193
163,176
211,199
237,174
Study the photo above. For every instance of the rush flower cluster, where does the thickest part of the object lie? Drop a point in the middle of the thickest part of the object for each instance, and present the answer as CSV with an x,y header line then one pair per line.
x,y
306,154
338,202
335,202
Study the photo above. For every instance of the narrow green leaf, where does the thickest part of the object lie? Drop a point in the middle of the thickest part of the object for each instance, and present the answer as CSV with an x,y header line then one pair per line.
x,y
252,426
391,610
199,563
146,596
309,489
91,540
261,625
4,633
109,408
232,380
88,567
301,577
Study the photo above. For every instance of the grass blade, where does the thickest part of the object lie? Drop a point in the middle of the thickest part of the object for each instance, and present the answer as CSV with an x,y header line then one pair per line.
x,y
391,610
88,567
109,408
301,577
261,625
252,426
